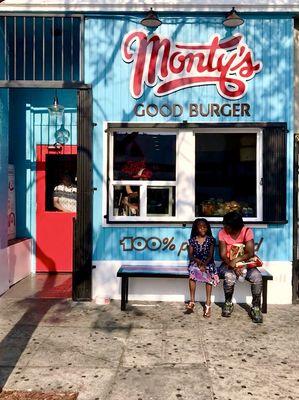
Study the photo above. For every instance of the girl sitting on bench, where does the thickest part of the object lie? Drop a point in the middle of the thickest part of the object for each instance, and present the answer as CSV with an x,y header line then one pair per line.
x,y
201,266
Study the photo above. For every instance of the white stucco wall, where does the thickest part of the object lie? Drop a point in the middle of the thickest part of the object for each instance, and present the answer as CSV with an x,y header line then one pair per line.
x,y
107,286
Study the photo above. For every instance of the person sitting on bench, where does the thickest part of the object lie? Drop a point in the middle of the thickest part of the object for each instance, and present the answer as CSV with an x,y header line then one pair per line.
x,y
234,232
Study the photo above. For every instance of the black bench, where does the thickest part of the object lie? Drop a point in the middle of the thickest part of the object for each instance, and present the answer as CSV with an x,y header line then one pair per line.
x,y
180,271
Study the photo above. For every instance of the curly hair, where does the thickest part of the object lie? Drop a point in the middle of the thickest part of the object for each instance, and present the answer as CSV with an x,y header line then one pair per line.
x,y
234,220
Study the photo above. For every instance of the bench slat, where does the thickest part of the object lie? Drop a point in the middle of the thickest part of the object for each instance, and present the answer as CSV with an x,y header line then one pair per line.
x,y
152,271
171,271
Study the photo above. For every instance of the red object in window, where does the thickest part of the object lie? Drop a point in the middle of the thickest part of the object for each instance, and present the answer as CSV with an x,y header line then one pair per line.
x,y
54,229
137,170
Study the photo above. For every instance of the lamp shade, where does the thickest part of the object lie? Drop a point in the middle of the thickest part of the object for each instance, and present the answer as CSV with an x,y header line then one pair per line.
x,y
233,19
62,135
151,20
56,110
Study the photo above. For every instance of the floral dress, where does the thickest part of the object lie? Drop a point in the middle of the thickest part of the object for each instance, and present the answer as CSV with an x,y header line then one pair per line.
x,y
202,252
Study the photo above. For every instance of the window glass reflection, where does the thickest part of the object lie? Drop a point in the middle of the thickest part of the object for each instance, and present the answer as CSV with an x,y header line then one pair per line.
x,y
126,200
160,201
225,175
144,156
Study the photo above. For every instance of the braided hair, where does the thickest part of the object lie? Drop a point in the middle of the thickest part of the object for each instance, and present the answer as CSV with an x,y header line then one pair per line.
x,y
194,230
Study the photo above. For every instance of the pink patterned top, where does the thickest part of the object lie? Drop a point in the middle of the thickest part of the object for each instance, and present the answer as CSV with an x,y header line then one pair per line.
x,y
245,235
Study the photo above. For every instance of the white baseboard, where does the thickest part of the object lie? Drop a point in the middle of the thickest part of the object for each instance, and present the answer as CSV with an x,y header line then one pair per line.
x,y
105,285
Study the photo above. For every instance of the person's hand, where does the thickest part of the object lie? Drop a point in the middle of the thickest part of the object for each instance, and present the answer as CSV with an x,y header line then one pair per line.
x,y
201,265
238,271
133,194
232,264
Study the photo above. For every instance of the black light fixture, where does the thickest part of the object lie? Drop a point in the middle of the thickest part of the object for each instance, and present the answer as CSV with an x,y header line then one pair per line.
x,y
56,109
233,19
151,20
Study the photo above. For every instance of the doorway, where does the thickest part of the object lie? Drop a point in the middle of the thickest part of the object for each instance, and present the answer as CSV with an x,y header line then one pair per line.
x,y
56,198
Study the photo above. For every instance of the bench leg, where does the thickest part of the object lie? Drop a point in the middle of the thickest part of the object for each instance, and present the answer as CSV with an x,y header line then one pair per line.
x,y
264,296
124,293
127,289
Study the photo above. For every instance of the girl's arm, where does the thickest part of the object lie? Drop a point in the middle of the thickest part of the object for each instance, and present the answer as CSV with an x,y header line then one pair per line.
x,y
223,252
191,256
210,256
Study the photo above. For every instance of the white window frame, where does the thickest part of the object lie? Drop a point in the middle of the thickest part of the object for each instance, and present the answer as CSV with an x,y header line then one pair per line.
x,y
185,176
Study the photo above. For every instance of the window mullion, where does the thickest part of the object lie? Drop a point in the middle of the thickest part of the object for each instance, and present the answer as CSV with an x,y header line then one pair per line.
x,y
185,175
143,200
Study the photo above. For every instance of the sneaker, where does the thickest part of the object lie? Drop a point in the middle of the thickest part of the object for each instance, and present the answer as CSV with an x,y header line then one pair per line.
x,y
256,315
227,309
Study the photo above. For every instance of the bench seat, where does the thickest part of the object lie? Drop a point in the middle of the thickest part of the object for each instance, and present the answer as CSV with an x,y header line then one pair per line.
x,y
174,271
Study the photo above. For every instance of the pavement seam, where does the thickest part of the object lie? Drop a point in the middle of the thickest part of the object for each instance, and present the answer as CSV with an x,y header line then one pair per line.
x,y
108,394
206,362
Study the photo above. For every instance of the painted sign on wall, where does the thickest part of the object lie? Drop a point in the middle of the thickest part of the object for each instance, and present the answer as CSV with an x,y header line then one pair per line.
x,y
153,243
168,67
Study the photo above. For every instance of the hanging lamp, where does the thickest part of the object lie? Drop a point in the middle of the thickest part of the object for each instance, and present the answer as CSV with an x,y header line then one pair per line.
x,y
56,109
151,20
233,20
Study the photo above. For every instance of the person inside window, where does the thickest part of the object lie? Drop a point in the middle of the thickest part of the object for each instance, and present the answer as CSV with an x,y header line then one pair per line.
x,y
65,195
130,202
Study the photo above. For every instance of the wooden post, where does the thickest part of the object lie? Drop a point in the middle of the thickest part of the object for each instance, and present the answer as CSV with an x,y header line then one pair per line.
x,y
82,261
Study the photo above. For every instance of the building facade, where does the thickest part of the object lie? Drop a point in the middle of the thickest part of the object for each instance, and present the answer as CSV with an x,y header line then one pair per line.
x,y
191,119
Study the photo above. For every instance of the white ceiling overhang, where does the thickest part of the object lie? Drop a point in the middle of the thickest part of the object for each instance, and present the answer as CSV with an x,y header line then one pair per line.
x,y
137,5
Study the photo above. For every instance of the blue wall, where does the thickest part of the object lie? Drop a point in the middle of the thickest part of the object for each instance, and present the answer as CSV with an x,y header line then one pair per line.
x,y
270,95
32,127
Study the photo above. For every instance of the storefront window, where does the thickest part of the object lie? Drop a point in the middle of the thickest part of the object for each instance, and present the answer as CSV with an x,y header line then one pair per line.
x,y
180,174
226,173
143,171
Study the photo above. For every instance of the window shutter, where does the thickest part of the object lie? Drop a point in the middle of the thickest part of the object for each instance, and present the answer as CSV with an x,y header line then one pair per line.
x,y
274,173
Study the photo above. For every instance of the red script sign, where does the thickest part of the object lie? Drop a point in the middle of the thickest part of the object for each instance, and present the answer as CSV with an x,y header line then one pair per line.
x,y
167,66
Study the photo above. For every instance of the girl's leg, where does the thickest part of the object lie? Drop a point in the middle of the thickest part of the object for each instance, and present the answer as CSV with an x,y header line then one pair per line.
x,y
207,307
192,287
208,294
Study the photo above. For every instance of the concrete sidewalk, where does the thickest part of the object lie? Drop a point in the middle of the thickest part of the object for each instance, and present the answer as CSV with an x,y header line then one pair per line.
x,y
153,351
